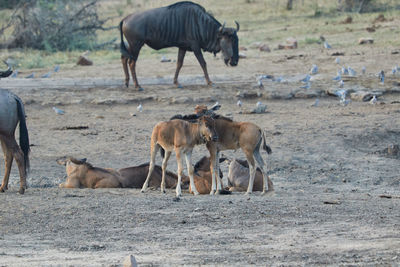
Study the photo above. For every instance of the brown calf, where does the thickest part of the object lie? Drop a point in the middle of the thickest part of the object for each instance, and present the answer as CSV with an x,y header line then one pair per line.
x,y
180,136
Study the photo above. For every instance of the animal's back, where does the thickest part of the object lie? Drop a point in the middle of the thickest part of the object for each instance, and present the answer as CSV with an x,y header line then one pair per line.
x,y
8,112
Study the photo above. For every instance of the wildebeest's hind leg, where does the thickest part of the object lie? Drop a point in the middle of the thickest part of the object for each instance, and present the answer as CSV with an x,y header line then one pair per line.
x,y
179,63
19,158
164,168
8,159
154,150
261,164
132,62
203,64
126,71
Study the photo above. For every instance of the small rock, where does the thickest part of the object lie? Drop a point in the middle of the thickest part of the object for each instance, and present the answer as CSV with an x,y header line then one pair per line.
x,y
365,41
84,61
242,55
363,96
380,18
393,150
370,29
243,48
264,48
348,20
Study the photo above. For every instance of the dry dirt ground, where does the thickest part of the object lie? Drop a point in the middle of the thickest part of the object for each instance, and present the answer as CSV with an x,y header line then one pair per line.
x,y
337,188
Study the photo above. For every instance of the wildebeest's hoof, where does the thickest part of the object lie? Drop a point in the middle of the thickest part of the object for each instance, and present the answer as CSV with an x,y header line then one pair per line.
x,y
248,193
143,190
196,193
268,193
21,190
179,86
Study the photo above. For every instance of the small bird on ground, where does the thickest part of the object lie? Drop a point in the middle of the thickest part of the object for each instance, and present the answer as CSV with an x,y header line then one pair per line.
x,y
47,75
351,71
345,71
314,69
363,69
327,46
316,103
139,108
341,84
165,59
337,60
338,77
58,111
306,79
239,103
394,70
373,100
306,86
382,76
32,75
56,68
15,74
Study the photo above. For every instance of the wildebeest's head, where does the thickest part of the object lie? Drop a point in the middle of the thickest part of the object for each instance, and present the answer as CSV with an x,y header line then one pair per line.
x,y
229,43
207,128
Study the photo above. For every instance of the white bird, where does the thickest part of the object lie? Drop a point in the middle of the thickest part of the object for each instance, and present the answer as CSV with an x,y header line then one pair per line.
x,y
345,102
351,71
260,84
341,93
314,69
363,70
337,60
394,70
58,111
56,68
139,108
327,46
279,79
306,79
239,103
258,104
316,103
373,100
165,59
341,83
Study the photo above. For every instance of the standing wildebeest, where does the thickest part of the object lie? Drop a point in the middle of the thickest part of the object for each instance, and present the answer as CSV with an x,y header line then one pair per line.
x,y
234,135
181,136
185,25
11,112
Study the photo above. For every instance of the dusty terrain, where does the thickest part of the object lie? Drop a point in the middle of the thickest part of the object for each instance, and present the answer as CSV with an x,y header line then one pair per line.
x,y
329,165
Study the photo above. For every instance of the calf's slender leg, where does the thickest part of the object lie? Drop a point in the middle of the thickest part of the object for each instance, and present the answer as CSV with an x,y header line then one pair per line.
x,y
180,171
266,178
250,160
164,168
154,150
190,168
8,159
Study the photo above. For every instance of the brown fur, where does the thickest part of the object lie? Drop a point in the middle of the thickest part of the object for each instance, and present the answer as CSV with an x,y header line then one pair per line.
x,y
81,174
180,136
234,135
239,176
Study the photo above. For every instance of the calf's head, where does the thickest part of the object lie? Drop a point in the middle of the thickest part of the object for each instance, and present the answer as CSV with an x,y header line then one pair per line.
x,y
207,128
229,43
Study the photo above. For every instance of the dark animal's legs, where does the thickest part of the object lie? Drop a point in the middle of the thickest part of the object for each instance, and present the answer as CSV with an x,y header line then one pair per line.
x,y
189,165
8,159
126,71
213,168
266,178
132,62
154,150
179,63
164,168
203,64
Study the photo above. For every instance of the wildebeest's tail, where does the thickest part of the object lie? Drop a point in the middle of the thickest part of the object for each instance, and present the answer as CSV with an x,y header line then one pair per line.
x,y
23,133
265,146
123,49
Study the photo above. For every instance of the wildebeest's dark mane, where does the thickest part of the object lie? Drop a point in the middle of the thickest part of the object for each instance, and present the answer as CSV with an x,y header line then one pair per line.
x,y
192,19
194,117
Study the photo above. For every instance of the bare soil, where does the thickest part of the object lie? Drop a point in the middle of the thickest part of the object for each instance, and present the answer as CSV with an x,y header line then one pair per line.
x,y
337,188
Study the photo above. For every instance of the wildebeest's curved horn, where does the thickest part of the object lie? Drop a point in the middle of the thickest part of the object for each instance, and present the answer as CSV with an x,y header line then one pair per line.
x,y
237,26
221,29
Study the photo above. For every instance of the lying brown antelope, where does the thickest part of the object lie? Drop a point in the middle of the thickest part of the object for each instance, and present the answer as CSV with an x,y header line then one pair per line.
x,y
181,136
239,176
81,174
234,135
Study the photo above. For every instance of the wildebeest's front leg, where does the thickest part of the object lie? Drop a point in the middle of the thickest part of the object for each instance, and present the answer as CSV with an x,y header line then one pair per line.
x,y
190,168
250,160
8,159
213,165
203,64
179,63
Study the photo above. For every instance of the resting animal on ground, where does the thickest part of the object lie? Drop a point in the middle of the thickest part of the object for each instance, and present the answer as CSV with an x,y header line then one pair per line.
x,y
11,112
81,174
239,176
185,25
181,136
